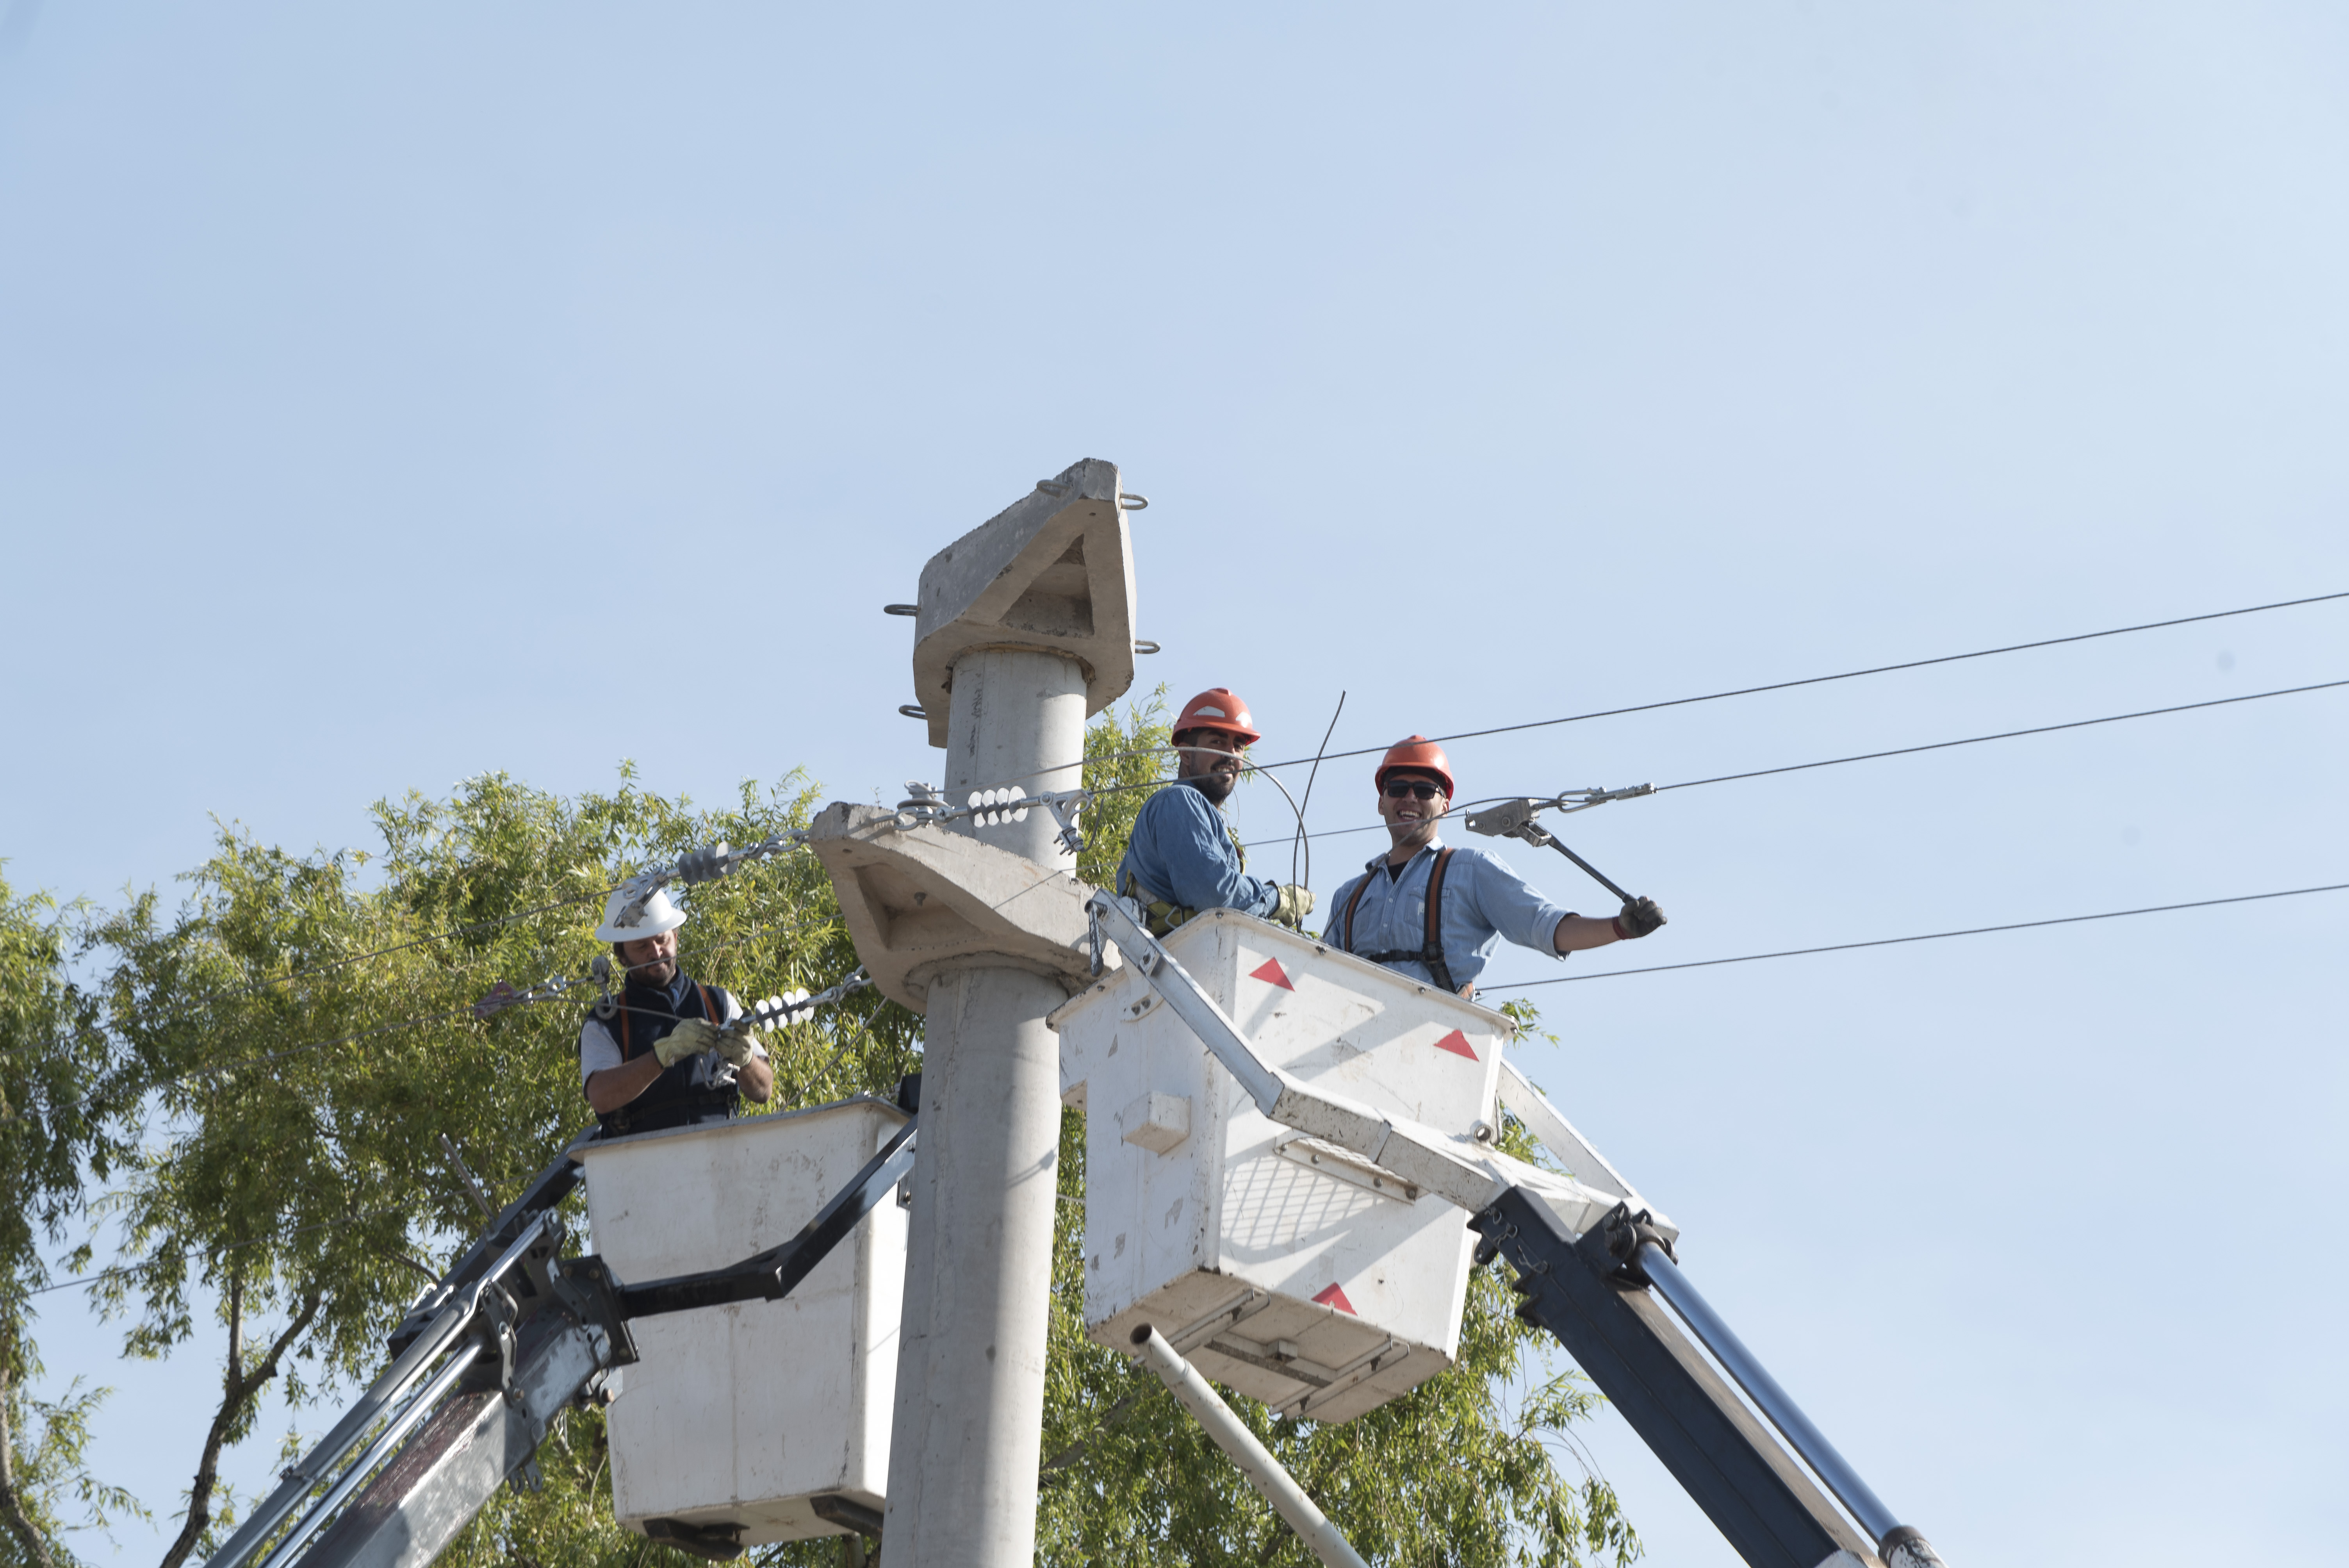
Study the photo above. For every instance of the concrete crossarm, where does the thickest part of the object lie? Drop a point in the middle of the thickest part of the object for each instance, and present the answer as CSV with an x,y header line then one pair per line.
x,y
1053,572
919,900
1453,1166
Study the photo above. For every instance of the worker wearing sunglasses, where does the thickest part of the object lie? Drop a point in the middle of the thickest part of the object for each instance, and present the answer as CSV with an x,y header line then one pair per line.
x,y
1431,911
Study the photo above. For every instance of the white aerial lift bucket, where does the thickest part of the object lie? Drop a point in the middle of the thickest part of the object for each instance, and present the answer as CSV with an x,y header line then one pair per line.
x,y
746,1415
1282,1266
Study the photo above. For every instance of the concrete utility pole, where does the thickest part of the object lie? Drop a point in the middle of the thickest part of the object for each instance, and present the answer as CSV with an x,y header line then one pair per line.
x,y
1025,627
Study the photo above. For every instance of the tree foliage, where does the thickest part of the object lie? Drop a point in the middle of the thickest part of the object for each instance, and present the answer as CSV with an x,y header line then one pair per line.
x,y
63,1125
301,1033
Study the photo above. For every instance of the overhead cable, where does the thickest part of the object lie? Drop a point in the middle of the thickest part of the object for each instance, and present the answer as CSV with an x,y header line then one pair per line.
x,y
1739,691
497,1001
695,865
83,1282
1910,750
1926,936
2003,735
1841,675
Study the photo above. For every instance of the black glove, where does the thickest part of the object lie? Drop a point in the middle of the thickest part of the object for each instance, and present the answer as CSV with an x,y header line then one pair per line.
x,y
1639,917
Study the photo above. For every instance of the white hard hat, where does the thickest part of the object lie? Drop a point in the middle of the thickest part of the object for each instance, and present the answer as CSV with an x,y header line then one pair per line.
x,y
656,915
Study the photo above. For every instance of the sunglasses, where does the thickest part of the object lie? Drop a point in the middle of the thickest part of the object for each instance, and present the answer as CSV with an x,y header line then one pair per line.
x,y
1404,789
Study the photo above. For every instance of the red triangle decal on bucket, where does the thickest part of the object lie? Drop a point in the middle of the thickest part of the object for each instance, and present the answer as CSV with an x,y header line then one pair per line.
x,y
1335,1297
1272,973
1457,1044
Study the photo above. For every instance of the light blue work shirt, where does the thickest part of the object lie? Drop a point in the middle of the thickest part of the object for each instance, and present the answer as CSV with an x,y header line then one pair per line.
x,y
1483,899
1182,850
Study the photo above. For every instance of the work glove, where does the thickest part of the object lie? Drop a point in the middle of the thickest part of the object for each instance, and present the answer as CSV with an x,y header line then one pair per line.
x,y
1639,917
1296,903
689,1038
736,1048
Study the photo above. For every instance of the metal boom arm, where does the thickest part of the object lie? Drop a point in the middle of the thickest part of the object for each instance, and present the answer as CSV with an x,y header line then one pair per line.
x,y
517,1333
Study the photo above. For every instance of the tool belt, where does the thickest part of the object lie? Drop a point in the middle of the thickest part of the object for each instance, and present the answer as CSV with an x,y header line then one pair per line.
x,y
1431,951
1158,916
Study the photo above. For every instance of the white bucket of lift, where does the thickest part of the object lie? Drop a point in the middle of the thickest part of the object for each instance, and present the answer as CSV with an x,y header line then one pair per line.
x,y
741,1415
1285,1268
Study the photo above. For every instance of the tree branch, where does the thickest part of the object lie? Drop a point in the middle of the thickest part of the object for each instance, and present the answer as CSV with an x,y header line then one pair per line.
x,y
12,1502
238,1389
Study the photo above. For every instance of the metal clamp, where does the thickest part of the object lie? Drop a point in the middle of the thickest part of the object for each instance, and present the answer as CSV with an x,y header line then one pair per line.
x,y
1514,819
1064,807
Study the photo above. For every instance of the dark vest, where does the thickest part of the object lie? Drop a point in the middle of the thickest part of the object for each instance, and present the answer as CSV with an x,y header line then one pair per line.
x,y
643,1020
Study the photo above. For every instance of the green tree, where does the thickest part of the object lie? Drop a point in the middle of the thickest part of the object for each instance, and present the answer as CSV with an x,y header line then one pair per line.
x,y
63,1123
303,1031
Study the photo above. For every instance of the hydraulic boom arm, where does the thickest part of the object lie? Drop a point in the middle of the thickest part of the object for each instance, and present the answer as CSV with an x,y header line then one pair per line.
x,y
485,1362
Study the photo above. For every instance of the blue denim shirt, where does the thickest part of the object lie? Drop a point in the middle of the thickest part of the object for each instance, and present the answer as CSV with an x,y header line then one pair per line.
x,y
1182,849
1483,899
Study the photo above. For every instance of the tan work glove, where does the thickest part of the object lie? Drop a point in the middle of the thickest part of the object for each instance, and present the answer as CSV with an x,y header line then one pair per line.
x,y
689,1038
1296,903
737,1048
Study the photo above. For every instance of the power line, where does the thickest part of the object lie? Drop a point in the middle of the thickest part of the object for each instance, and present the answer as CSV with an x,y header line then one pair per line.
x,y
770,846
1910,751
2005,735
1842,676
546,990
82,1282
1926,937
315,970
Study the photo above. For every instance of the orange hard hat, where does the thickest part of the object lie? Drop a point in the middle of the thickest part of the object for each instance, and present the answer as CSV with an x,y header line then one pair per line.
x,y
1416,754
1219,707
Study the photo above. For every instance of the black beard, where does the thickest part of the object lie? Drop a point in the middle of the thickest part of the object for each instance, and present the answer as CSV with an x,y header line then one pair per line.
x,y
1215,787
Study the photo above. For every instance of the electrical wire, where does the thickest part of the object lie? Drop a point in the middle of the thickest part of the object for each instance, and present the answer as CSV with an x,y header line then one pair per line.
x,y
1926,936
1842,676
83,1282
1304,839
214,999
2003,735
1909,750
547,990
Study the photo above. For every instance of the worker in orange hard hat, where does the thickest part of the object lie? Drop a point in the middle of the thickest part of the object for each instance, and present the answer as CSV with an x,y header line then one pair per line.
x,y
1433,911
1183,855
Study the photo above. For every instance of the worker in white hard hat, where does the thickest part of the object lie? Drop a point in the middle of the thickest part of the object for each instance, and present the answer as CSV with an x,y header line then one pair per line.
x,y
658,1055
1183,855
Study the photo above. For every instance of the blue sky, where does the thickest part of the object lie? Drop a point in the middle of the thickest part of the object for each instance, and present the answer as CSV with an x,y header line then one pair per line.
x,y
391,394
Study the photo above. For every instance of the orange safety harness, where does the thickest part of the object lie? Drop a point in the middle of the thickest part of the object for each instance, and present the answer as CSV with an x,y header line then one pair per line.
x,y
681,1105
1431,952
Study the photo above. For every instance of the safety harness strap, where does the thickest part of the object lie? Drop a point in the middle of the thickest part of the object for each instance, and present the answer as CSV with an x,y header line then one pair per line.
x,y
628,1051
668,1102
1431,951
